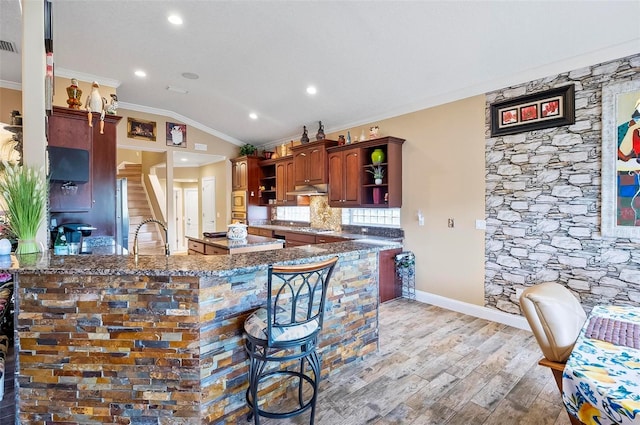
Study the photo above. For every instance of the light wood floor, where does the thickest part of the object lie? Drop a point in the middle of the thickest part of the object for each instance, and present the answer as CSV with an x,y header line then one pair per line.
x,y
439,367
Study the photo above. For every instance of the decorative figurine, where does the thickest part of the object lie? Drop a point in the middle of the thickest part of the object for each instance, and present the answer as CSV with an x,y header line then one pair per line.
x,y
112,108
305,137
373,132
320,134
96,103
74,94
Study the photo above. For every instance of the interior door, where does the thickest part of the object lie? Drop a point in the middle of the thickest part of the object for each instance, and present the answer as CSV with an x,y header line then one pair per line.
x,y
191,213
209,204
178,207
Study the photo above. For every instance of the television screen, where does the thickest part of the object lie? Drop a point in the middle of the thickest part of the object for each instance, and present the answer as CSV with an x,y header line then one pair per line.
x,y
68,165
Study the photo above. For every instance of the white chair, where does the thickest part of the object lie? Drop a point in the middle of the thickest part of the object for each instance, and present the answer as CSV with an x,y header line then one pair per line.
x,y
556,317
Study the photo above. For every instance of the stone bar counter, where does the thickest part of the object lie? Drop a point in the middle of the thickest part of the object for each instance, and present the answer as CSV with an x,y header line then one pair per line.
x,y
108,339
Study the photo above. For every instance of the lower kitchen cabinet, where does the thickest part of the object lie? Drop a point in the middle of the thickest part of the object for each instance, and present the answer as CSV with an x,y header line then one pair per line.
x,y
388,287
297,239
259,231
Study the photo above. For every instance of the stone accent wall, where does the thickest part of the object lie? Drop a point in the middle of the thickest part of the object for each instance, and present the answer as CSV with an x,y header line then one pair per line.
x,y
166,350
543,199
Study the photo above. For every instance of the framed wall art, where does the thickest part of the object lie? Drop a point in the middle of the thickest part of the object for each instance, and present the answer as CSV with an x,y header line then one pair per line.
x,y
550,108
621,160
141,129
176,135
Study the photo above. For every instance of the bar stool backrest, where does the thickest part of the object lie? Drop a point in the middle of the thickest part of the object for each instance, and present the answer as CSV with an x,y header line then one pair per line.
x,y
296,301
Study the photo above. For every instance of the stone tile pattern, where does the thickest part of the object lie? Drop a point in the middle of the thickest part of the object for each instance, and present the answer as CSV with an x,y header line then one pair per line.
x,y
543,194
164,349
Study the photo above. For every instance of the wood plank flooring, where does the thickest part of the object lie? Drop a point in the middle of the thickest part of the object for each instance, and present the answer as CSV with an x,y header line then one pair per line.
x,y
434,366
440,367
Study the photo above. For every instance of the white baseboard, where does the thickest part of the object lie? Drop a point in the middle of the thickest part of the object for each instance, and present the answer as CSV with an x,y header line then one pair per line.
x,y
473,310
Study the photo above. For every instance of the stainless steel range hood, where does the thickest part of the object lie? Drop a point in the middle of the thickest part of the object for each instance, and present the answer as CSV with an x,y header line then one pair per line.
x,y
309,190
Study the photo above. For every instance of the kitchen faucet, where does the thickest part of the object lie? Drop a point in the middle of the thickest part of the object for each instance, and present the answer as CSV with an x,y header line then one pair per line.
x,y
166,236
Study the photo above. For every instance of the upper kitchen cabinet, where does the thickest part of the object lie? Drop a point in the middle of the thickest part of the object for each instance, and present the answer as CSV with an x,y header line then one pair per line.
x,y
389,193
352,184
245,175
310,162
74,195
345,169
285,182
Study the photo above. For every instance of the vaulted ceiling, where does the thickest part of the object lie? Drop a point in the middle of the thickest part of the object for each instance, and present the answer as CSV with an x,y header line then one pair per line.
x,y
369,60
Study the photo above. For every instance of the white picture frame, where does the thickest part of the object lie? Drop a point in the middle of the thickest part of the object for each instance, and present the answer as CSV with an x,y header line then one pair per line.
x,y
619,101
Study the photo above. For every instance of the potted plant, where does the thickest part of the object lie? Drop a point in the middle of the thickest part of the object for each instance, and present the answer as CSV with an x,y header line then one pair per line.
x,y
248,150
23,191
377,171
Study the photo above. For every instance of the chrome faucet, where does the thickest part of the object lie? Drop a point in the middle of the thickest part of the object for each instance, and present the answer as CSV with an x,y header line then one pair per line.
x,y
166,236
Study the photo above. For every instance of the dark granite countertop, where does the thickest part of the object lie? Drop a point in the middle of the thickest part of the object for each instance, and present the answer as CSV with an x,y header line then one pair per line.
x,y
310,230
187,265
225,243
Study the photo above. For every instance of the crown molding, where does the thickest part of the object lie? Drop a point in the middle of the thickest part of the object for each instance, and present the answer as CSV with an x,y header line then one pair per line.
x,y
83,76
592,58
181,118
10,85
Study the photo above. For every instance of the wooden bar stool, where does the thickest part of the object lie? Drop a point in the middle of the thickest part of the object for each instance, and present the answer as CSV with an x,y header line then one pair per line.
x,y
281,338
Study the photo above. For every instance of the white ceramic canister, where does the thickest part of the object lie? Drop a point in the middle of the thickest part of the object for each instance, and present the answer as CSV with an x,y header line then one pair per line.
x,y
237,231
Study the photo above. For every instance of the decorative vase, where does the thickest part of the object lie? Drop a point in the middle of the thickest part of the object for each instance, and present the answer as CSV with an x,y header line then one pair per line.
x,y
378,181
377,156
377,192
305,136
320,135
28,246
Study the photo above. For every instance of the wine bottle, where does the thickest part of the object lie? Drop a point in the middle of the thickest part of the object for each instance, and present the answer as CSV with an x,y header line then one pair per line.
x,y
60,246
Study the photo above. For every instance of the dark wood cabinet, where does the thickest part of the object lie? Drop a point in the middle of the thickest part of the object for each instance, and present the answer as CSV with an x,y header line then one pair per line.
x,y
345,169
310,162
245,175
239,172
285,182
342,190
267,195
388,287
94,201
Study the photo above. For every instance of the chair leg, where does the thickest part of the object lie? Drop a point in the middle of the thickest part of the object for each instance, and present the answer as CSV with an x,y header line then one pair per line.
x,y
314,362
557,374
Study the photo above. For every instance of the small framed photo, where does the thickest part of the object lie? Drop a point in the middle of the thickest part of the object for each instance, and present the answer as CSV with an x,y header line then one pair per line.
x,y
176,135
141,129
550,108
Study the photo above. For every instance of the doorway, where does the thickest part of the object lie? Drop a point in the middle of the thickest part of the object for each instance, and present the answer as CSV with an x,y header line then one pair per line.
x,y
191,219
179,219
209,204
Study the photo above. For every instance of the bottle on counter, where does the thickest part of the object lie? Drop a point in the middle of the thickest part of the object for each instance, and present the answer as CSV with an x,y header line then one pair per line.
x,y
60,246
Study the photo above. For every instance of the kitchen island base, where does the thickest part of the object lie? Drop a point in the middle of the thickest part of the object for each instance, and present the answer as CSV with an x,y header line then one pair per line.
x,y
156,348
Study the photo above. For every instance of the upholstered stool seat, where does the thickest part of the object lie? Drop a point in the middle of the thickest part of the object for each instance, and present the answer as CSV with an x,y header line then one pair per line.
x,y
256,326
281,340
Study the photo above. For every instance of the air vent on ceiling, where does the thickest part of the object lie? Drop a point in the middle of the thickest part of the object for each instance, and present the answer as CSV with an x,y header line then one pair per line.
x,y
8,46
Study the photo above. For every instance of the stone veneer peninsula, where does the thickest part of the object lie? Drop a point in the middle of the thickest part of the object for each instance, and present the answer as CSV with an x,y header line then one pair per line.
x,y
108,339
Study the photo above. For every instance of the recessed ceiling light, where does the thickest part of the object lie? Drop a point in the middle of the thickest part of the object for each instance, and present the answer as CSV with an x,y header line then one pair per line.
x,y
140,73
175,20
184,159
253,116
190,75
311,90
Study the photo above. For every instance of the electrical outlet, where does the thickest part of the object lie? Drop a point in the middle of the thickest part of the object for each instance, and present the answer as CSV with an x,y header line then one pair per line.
x,y
450,223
